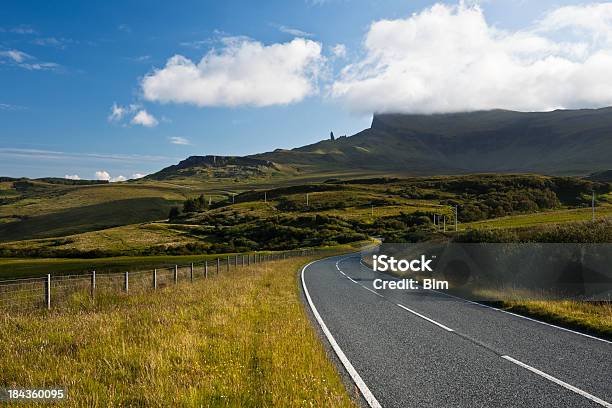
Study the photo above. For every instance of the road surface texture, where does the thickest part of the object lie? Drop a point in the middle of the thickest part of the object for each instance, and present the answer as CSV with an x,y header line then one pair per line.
x,y
423,348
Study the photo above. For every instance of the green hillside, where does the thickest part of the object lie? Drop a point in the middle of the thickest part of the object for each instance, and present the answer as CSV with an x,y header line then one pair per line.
x,y
564,142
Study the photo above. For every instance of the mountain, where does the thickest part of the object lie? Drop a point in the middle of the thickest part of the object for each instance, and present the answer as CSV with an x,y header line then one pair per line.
x,y
574,142
601,176
561,142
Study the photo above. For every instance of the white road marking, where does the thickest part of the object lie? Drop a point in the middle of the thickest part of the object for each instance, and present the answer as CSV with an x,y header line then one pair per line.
x,y
513,314
426,318
365,391
524,317
373,291
559,382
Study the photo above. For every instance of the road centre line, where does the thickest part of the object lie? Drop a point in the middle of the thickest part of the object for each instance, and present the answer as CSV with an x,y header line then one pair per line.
x,y
559,382
506,357
511,313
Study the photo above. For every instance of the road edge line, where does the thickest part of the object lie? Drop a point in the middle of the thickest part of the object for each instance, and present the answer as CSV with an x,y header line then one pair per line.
x,y
558,382
363,388
512,313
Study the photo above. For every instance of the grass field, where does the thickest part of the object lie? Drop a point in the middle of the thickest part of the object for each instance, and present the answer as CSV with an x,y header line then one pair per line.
x,y
241,340
540,218
32,267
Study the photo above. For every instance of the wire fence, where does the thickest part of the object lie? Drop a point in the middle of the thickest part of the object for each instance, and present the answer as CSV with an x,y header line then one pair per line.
x,y
51,291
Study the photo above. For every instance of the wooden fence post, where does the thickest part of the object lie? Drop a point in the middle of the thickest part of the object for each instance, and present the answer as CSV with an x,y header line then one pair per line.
x,y
154,279
48,292
218,263
206,269
126,282
228,263
93,283
191,273
175,274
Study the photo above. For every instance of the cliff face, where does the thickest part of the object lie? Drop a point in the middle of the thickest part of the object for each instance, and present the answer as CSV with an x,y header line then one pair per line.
x,y
562,142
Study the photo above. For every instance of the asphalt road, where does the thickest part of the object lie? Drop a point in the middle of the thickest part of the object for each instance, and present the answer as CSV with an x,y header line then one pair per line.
x,y
427,349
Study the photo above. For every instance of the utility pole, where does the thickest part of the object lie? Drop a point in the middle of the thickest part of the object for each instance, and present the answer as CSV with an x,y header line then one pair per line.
x,y
444,221
265,196
593,206
306,199
456,215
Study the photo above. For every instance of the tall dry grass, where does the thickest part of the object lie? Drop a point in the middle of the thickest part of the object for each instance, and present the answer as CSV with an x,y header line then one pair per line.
x,y
235,340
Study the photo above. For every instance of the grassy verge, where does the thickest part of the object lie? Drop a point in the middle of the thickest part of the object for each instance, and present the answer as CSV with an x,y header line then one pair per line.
x,y
234,340
590,317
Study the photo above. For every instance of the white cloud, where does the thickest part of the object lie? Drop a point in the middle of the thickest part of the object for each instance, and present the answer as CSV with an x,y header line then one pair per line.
x,y
138,175
22,29
15,55
294,31
117,113
105,175
144,118
448,58
72,177
118,178
23,60
179,140
102,175
60,43
339,50
9,107
244,72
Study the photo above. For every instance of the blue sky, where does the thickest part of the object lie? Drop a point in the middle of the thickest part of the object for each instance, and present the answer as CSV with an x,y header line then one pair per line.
x,y
64,65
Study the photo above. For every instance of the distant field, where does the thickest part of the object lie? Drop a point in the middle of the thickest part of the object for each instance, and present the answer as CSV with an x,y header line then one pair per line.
x,y
16,267
540,218
240,340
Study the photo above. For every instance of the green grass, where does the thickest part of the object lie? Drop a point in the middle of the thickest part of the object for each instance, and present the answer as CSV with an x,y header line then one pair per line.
x,y
590,317
33,267
539,218
236,340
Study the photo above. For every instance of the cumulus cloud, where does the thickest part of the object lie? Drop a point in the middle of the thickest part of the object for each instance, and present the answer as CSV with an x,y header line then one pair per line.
x,y
105,175
179,140
144,118
72,177
102,175
243,72
339,50
137,175
448,58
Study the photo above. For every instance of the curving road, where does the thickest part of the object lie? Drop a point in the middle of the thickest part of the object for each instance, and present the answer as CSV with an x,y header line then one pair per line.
x,y
428,349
